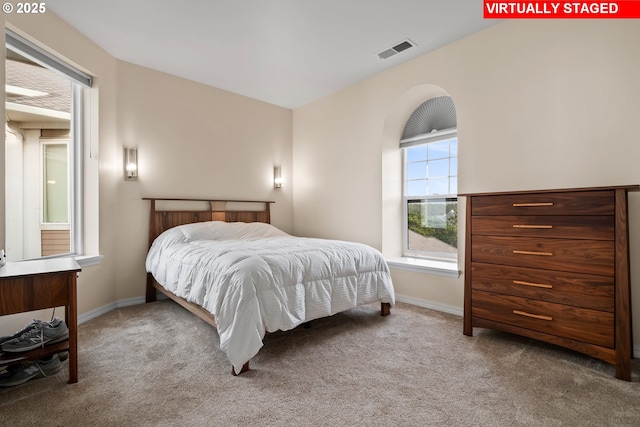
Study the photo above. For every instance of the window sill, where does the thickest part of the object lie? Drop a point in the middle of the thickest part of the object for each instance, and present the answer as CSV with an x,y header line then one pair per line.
x,y
89,260
440,268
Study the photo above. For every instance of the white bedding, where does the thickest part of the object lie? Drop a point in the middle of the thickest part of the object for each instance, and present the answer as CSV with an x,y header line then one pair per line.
x,y
254,278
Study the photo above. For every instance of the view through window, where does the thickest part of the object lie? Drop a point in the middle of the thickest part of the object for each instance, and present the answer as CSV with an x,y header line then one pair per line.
x,y
430,198
39,160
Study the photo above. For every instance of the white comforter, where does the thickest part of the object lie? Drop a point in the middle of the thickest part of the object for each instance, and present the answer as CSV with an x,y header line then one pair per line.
x,y
254,278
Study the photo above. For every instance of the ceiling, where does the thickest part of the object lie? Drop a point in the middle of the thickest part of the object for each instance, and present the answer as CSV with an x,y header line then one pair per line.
x,y
285,52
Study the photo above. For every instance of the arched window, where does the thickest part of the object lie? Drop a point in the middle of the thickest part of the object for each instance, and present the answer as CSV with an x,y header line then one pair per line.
x,y
430,181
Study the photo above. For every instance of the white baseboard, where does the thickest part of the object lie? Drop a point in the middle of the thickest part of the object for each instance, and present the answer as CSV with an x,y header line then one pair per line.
x,y
430,304
109,307
118,304
459,312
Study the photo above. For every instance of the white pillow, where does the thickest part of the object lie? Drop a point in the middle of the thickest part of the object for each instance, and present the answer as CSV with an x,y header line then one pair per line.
x,y
220,230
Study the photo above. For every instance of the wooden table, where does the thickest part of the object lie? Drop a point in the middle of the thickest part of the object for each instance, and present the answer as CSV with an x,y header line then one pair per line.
x,y
40,284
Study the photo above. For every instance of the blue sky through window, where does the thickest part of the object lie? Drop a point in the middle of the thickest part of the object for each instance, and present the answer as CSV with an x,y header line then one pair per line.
x,y
432,169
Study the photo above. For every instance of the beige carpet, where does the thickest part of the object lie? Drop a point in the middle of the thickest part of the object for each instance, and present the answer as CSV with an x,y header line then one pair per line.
x,y
158,365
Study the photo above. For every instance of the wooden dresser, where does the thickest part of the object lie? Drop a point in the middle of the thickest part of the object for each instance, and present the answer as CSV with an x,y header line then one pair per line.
x,y
552,265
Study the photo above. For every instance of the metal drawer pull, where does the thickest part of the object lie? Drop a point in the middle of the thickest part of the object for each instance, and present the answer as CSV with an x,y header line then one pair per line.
x,y
532,226
528,205
535,285
535,316
533,253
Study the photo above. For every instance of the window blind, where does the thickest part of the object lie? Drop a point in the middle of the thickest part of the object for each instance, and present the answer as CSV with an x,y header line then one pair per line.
x,y
35,53
434,115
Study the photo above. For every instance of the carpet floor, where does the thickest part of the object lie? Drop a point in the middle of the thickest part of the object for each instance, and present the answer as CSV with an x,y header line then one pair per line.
x,y
158,365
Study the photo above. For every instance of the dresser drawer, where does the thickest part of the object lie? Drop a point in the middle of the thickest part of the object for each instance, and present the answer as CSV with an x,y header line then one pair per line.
x,y
589,326
569,203
575,289
599,227
580,256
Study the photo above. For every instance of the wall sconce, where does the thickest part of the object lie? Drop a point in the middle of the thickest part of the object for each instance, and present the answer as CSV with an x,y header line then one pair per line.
x,y
277,177
130,164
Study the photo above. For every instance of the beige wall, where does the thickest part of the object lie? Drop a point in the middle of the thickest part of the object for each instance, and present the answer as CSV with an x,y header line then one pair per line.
x,y
193,141
540,104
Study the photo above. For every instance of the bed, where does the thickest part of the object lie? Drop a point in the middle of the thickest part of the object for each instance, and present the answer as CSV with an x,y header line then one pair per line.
x,y
227,264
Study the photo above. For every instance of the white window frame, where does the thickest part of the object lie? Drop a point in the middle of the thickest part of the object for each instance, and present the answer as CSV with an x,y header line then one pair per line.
x,y
79,80
433,259
44,142
76,213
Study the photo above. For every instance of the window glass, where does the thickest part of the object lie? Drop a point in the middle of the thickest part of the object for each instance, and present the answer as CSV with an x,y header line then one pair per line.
x,y
453,182
56,184
416,154
430,199
438,168
438,186
453,167
41,111
417,187
417,170
438,150
432,228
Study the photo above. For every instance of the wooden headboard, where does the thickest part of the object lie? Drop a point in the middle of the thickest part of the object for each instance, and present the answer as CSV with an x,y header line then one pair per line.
x,y
218,210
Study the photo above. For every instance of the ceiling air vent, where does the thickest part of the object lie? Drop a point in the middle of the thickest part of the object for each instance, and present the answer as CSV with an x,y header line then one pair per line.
x,y
400,47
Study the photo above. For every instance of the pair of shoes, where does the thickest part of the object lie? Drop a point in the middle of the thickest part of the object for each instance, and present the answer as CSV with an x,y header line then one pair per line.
x,y
20,374
38,335
31,325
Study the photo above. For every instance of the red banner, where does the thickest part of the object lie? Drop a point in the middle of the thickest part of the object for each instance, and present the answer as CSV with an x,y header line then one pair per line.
x,y
622,9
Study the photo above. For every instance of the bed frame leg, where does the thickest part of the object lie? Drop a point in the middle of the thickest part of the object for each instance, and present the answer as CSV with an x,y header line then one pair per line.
x,y
150,295
385,309
244,369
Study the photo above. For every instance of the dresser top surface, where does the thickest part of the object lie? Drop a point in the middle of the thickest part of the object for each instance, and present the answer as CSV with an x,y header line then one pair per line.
x,y
635,187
